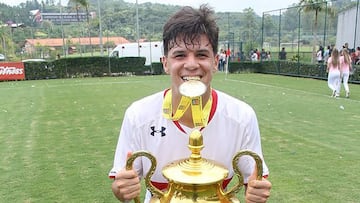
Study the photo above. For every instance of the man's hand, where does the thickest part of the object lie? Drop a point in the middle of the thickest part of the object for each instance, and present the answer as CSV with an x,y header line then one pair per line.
x,y
257,191
126,185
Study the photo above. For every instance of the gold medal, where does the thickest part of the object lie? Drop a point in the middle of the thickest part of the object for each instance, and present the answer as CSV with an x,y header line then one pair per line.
x,y
191,91
192,88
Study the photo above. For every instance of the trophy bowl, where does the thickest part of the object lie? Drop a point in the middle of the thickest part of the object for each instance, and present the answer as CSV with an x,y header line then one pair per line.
x,y
195,179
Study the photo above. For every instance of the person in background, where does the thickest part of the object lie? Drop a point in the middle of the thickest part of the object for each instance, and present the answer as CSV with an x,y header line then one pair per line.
x,y
282,54
258,54
254,56
320,60
268,56
333,69
356,58
319,55
156,123
345,68
263,55
222,60
327,54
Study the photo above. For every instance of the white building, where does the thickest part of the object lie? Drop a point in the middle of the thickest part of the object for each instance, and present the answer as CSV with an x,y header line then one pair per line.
x,y
348,28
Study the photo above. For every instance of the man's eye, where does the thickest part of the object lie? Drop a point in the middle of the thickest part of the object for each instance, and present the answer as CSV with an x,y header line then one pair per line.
x,y
202,55
179,55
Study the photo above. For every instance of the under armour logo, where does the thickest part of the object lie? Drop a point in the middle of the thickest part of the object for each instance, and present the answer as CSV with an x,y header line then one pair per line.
x,y
162,131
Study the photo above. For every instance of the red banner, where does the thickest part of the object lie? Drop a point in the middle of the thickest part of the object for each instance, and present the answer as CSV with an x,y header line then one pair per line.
x,y
12,71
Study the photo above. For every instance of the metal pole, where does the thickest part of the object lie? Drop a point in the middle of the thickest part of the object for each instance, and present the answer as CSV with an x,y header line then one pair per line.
x,y
326,11
298,45
108,52
62,29
228,52
278,67
100,30
4,45
280,31
356,22
262,31
228,19
137,27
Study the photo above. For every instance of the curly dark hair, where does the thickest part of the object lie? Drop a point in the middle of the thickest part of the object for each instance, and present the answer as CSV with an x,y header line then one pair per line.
x,y
188,24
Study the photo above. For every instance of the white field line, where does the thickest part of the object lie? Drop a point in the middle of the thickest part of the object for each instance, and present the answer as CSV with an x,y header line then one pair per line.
x,y
92,83
285,88
68,84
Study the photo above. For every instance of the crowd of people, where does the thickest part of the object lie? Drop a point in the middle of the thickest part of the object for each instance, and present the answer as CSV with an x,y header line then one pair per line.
x,y
256,55
263,55
338,63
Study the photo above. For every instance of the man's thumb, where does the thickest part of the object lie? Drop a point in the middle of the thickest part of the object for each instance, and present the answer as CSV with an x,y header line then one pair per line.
x,y
253,175
128,164
128,155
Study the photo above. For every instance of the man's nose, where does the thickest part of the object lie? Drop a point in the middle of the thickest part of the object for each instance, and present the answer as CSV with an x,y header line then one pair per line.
x,y
191,62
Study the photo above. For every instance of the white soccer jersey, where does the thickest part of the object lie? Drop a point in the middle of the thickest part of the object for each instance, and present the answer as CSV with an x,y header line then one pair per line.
x,y
232,127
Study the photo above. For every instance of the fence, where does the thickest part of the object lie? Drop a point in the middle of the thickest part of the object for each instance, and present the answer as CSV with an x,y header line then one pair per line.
x,y
301,30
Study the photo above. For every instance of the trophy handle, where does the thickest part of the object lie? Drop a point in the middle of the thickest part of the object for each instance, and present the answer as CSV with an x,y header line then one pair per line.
x,y
149,185
240,183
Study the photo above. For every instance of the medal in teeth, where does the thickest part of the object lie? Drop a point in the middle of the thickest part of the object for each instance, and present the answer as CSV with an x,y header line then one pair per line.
x,y
192,87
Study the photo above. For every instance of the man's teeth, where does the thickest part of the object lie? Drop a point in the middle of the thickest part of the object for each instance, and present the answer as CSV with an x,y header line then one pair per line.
x,y
191,78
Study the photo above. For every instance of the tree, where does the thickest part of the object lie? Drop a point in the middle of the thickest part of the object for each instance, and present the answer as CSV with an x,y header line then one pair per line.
x,y
84,4
269,28
250,29
315,6
291,19
48,26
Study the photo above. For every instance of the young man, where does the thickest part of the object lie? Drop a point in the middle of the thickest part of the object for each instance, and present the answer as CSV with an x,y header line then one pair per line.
x,y
282,54
190,53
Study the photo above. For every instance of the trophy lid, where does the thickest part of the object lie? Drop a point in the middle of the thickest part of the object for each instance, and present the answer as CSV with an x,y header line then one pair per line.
x,y
195,170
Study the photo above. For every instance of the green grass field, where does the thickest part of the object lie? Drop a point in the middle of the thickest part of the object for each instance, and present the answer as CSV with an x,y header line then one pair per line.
x,y
57,137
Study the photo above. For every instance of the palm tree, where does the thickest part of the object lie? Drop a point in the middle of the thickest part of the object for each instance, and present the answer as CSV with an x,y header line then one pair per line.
x,y
85,4
48,26
7,44
316,6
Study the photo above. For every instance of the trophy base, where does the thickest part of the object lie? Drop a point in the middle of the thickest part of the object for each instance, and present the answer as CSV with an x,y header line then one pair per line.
x,y
182,200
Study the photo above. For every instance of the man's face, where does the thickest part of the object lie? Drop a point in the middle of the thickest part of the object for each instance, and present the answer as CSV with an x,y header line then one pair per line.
x,y
191,61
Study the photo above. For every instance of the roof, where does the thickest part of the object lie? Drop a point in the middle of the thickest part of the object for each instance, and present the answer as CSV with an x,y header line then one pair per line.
x,y
57,42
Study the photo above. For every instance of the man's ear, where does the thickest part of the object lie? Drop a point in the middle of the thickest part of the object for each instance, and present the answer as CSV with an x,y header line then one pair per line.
x,y
165,64
216,62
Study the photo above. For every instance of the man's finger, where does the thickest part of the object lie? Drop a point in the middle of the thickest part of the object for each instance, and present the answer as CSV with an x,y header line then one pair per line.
x,y
253,175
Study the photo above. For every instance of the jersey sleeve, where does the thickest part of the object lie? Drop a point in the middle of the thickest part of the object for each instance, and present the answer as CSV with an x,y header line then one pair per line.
x,y
252,141
127,143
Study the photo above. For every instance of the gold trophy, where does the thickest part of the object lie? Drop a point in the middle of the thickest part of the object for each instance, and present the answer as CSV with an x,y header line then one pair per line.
x,y
195,179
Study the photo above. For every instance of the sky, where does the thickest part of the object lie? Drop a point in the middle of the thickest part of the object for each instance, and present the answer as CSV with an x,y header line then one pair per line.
x,y
259,6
